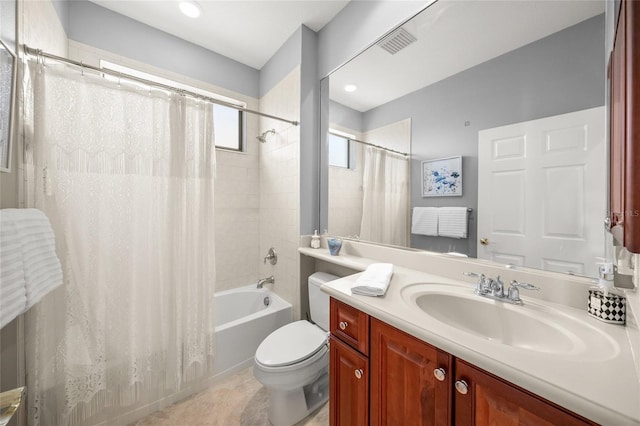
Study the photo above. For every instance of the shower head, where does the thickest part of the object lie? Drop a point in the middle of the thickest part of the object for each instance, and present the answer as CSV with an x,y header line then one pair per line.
x,y
263,137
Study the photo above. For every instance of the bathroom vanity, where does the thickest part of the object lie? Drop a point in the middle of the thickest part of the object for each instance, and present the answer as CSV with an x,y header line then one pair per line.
x,y
412,382
432,352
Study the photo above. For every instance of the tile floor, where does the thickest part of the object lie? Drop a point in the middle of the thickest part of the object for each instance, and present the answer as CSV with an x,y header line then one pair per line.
x,y
237,400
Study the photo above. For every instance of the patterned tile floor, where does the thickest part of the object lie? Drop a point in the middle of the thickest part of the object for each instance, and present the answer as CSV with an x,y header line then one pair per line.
x,y
237,400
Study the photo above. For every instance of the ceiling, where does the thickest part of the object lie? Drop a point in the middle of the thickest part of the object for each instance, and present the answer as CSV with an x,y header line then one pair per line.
x,y
453,35
249,32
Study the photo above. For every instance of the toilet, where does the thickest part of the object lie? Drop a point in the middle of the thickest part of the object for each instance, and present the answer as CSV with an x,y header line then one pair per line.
x,y
293,361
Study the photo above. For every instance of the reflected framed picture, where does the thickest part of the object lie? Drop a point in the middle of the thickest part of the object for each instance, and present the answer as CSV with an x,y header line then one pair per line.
x,y
8,65
442,177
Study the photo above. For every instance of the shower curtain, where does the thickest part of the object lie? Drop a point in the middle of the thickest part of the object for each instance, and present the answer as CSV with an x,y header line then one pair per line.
x,y
385,203
125,174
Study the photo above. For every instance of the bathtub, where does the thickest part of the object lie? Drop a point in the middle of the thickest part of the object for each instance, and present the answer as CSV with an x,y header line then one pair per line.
x,y
242,321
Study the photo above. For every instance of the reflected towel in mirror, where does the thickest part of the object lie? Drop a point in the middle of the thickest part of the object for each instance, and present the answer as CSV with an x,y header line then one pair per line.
x,y
425,221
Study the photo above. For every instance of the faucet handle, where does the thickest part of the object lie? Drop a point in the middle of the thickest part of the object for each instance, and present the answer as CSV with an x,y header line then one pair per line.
x,y
514,292
525,286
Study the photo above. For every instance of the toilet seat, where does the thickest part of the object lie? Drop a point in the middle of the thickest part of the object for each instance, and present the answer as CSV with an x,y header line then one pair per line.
x,y
291,346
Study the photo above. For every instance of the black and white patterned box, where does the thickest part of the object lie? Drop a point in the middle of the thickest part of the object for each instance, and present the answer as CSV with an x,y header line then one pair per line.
x,y
610,308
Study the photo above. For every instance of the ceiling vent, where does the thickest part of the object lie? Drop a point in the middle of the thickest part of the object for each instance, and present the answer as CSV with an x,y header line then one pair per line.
x,y
397,40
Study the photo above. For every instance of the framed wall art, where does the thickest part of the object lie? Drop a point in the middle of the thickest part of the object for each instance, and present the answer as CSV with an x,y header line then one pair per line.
x,y
442,177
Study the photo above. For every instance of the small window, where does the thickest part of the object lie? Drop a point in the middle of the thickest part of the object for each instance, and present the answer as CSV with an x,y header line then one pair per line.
x,y
229,122
341,151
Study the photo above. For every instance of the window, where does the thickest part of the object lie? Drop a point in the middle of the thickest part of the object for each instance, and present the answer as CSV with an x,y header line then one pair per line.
x,y
229,123
341,150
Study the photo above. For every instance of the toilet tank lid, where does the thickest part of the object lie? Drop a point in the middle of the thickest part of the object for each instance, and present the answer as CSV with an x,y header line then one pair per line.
x,y
291,344
319,278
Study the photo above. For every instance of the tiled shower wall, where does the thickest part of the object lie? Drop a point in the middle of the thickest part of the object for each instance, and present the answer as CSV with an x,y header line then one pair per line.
x,y
280,188
237,195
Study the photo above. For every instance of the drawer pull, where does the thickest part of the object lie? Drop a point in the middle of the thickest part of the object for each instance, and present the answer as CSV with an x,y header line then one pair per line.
x,y
462,387
343,325
358,373
440,374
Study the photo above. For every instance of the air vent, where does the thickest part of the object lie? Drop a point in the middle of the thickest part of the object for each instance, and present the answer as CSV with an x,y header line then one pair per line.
x,y
397,40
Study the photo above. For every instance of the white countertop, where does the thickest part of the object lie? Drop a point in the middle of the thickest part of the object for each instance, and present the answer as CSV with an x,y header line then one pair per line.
x,y
605,390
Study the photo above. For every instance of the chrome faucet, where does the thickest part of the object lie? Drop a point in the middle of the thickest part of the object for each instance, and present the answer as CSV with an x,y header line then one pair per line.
x,y
263,281
494,288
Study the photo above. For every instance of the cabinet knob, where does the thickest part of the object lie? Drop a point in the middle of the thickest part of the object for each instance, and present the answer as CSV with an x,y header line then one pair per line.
x,y
462,387
343,325
358,373
440,374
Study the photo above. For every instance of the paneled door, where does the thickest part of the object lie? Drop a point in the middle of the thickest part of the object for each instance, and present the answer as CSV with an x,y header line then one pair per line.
x,y
541,192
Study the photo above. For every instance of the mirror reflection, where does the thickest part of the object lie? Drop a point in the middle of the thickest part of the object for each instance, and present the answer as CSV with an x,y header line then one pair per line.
x,y
514,91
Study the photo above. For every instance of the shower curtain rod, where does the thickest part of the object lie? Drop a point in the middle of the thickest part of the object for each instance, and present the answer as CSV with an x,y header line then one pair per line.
x,y
37,52
373,145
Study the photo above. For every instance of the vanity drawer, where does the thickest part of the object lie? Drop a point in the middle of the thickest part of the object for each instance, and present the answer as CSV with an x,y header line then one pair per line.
x,y
349,325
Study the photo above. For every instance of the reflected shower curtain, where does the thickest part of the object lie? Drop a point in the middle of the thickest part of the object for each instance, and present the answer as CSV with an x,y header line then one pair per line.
x,y
125,174
385,202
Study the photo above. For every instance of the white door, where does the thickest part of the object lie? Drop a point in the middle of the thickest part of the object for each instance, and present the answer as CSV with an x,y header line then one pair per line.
x,y
541,192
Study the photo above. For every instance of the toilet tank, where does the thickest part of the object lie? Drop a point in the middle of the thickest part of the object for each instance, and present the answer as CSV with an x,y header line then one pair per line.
x,y
319,301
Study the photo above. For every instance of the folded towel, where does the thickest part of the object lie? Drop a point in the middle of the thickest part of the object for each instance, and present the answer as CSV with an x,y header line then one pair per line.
x,y
453,222
374,281
13,291
424,221
41,266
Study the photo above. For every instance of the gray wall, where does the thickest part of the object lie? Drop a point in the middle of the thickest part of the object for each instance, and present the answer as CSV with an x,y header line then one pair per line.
x,y
99,27
561,73
344,116
62,9
309,133
288,56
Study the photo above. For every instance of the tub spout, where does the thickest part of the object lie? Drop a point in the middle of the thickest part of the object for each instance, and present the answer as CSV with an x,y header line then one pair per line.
x,y
263,281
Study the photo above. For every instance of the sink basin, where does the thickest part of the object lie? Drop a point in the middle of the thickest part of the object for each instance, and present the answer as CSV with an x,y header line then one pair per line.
x,y
532,327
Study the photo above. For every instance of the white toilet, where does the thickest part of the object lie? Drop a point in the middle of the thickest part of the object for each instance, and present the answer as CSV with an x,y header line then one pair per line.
x,y
293,361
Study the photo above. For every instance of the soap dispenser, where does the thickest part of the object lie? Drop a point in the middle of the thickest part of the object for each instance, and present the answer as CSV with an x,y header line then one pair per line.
x,y
606,302
315,240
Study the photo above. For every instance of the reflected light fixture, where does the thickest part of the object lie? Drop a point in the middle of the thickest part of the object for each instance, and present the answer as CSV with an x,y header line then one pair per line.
x,y
190,8
350,88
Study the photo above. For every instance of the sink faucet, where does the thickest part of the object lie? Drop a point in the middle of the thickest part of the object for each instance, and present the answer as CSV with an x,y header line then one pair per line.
x,y
494,288
263,281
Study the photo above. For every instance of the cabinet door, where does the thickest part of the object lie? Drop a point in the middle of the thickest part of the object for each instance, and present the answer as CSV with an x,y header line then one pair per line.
x,y
483,399
404,388
349,386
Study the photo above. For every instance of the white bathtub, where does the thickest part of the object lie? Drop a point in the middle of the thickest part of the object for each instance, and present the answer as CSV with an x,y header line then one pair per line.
x,y
242,321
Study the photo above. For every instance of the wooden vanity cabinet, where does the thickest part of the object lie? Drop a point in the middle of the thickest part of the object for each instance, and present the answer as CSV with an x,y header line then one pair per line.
x,y
385,376
624,104
404,387
348,365
480,399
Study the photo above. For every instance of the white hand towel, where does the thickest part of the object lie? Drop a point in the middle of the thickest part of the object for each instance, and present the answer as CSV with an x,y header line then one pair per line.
x,y
374,281
13,291
42,269
424,221
453,222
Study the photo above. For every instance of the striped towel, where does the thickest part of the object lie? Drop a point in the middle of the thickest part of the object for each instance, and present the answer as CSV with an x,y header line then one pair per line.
x,y
42,269
13,291
453,222
424,221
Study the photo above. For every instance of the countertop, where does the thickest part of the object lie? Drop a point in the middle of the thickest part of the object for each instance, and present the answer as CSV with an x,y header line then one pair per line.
x,y
605,389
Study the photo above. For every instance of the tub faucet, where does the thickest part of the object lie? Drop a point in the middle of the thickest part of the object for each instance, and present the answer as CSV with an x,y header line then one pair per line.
x,y
263,281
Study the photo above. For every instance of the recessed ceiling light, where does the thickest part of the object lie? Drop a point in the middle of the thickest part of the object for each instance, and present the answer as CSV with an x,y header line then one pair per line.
x,y
190,8
350,88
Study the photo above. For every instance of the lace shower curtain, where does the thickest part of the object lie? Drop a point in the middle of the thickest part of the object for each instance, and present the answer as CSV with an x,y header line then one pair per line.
x,y
125,174
385,203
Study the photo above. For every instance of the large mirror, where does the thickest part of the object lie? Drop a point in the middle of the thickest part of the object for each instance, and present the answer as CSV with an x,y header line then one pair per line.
x,y
476,128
